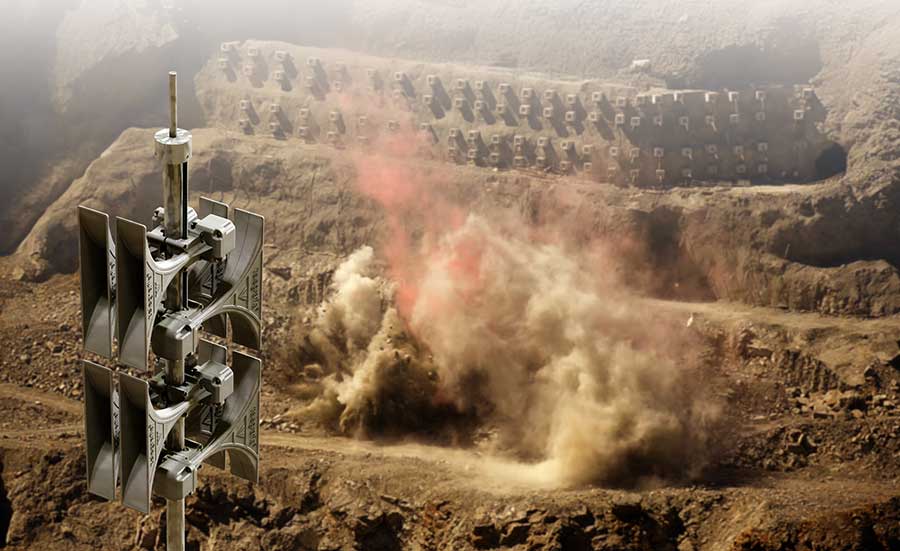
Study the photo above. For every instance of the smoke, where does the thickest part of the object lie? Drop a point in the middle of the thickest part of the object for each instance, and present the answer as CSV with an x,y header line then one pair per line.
x,y
356,306
573,374
531,335
371,377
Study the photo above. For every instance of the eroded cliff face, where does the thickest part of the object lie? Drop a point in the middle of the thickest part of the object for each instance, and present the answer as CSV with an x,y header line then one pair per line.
x,y
86,92
76,71
810,248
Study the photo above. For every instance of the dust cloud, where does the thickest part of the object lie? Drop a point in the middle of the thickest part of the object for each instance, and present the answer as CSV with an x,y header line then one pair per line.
x,y
534,339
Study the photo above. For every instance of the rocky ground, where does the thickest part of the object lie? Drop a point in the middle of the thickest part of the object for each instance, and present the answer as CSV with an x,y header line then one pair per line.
x,y
811,461
791,292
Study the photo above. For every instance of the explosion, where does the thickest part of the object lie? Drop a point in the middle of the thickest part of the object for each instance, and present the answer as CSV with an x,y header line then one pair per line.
x,y
532,338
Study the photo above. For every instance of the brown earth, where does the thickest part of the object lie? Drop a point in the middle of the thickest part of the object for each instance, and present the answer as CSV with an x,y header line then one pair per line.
x,y
72,96
811,463
805,248
792,290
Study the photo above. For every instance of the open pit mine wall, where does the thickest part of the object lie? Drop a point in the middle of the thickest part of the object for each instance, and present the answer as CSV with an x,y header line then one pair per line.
x,y
78,73
598,130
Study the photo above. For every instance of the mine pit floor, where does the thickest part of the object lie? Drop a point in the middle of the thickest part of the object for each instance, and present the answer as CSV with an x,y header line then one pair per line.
x,y
327,492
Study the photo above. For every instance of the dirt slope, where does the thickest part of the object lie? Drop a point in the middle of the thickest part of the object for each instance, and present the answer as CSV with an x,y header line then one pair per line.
x,y
817,247
799,471
96,89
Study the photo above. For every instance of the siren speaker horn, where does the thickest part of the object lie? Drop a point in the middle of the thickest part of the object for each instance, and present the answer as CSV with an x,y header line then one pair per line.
x,y
237,429
235,432
206,275
241,294
101,427
142,283
200,422
97,269
144,431
242,417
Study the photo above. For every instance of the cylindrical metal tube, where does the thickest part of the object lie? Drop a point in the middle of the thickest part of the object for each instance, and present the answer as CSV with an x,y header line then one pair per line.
x,y
175,525
173,104
173,182
175,376
175,206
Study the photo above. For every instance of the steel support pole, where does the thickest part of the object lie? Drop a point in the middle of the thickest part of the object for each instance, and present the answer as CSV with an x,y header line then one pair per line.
x,y
175,525
175,206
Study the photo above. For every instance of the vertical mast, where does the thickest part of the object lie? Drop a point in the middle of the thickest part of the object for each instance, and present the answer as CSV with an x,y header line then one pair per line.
x,y
175,201
138,293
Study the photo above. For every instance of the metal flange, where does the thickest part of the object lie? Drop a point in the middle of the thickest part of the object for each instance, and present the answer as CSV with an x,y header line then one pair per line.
x,y
172,150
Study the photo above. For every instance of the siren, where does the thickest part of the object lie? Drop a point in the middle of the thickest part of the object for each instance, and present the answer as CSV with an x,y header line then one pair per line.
x,y
97,266
101,426
152,436
144,431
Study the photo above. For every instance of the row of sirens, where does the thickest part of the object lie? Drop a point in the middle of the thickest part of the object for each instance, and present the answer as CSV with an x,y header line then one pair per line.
x,y
128,446
124,286
125,278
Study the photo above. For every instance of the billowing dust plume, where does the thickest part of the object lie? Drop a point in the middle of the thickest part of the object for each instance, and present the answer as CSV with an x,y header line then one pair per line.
x,y
530,341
